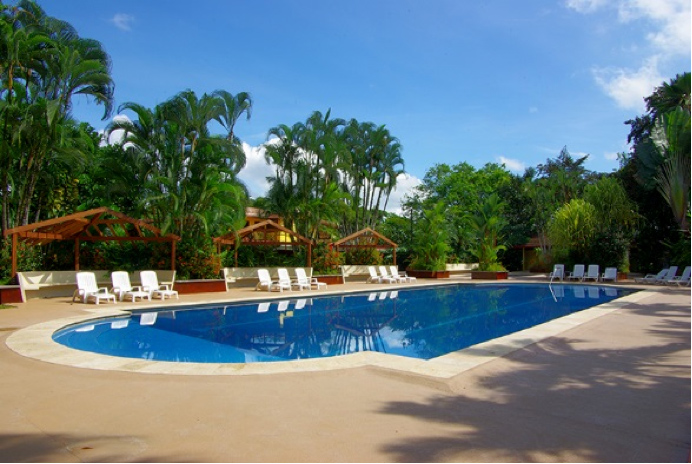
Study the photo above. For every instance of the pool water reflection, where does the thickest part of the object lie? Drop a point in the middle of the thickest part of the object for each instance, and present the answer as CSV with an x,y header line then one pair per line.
x,y
421,323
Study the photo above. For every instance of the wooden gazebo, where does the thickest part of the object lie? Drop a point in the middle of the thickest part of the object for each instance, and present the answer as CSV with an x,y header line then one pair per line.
x,y
366,238
99,224
267,233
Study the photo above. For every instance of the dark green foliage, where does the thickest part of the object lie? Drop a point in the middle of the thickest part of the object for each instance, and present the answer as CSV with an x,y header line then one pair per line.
x,y
363,256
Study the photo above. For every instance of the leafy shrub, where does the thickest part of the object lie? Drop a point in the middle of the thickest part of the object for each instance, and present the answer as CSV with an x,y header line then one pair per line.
x,y
326,261
29,258
363,256
196,258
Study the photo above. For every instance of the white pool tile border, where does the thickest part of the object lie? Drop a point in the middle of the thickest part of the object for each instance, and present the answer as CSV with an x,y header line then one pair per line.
x,y
36,342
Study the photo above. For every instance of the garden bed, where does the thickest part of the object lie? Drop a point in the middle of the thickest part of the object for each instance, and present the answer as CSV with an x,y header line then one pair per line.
x,y
185,287
10,294
489,275
427,274
330,279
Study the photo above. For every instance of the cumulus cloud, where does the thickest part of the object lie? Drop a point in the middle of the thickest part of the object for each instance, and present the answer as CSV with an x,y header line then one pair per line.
x,y
671,20
405,183
256,170
627,87
123,21
666,26
512,164
586,6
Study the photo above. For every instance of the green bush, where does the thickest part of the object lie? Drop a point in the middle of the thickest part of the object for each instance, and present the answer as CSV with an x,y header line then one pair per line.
x,y
29,258
363,256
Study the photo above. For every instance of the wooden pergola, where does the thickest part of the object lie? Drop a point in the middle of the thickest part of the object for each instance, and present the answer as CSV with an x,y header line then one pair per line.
x,y
95,225
267,233
366,238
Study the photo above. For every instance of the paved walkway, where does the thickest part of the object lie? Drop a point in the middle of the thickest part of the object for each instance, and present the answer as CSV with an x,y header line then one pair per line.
x,y
615,388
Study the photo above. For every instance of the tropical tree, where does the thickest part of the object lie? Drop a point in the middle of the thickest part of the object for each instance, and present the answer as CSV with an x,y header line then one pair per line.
x,y
187,176
44,65
487,223
571,231
331,177
430,247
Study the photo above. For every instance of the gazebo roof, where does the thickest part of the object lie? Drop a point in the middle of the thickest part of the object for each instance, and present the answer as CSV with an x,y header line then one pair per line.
x,y
263,233
94,225
365,238
99,224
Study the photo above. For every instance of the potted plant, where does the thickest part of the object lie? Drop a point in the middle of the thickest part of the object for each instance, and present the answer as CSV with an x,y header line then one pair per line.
x,y
487,224
430,246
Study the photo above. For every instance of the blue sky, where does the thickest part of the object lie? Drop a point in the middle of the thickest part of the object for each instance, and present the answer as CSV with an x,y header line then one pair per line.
x,y
489,81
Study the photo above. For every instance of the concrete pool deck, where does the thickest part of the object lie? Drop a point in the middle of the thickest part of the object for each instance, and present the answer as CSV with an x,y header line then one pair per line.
x,y
611,387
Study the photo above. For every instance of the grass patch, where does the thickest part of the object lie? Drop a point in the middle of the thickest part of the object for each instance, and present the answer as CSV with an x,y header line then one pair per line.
x,y
6,306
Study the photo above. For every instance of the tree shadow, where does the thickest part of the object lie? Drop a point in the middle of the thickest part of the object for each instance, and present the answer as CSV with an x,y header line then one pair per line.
x,y
28,447
565,399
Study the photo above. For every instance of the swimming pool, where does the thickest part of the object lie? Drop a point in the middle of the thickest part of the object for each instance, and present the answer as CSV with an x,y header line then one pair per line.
x,y
421,323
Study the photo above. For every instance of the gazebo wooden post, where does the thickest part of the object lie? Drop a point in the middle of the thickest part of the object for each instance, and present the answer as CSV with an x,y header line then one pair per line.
x,y
14,255
173,255
76,254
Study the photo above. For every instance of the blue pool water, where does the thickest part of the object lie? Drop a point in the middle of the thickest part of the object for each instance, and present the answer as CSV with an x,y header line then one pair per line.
x,y
420,323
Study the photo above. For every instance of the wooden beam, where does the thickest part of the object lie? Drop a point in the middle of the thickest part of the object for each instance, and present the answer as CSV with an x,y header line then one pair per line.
x,y
76,254
42,235
14,255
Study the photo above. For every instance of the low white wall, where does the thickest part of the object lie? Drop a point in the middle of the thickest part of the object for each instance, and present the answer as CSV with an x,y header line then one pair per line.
x,y
461,267
251,272
50,284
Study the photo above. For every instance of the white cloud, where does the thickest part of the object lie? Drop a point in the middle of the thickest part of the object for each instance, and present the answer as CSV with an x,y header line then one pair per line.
x,y
123,21
512,164
256,170
666,26
405,183
628,88
586,6
671,19
611,156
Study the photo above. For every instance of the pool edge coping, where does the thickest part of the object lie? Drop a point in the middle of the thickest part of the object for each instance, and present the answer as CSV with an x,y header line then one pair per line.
x,y
36,342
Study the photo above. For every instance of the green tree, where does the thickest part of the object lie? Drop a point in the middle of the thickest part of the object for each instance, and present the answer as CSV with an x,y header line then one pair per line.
x,y
487,223
430,247
571,231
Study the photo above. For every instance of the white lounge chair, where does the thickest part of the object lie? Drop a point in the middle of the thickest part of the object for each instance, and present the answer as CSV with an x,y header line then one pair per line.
x,y
593,272
88,289
670,275
577,272
265,281
402,274
123,288
284,281
301,281
312,282
558,272
374,278
652,278
384,274
683,279
610,273
150,283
